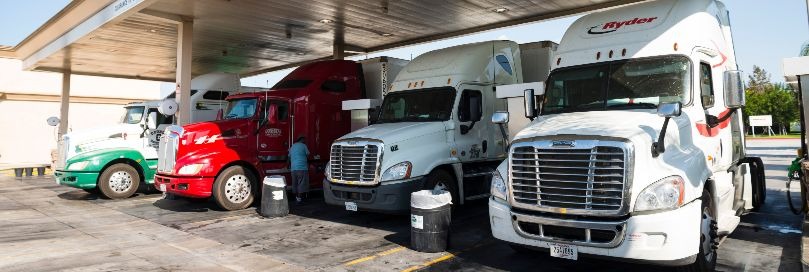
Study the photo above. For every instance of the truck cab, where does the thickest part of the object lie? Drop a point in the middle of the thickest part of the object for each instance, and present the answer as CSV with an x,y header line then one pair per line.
x,y
117,160
639,126
226,158
430,132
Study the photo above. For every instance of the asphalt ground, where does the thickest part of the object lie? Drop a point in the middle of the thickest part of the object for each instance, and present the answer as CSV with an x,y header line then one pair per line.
x,y
47,227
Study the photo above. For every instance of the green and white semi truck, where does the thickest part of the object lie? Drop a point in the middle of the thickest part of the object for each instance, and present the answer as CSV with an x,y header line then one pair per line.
x,y
117,160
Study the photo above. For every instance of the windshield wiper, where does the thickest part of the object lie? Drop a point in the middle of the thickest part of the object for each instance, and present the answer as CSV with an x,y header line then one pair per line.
x,y
643,105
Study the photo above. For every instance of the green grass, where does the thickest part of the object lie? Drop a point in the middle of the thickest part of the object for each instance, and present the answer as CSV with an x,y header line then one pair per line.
x,y
775,136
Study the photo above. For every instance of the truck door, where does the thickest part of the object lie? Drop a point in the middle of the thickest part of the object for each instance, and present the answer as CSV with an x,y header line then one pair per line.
x,y
274,137
471,133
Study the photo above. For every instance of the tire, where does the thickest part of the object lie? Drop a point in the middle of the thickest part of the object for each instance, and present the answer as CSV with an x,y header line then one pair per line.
x,y
119,181
235,188
706,258
443,180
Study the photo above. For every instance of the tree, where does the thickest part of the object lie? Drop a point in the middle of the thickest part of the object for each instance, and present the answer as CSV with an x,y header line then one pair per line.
x,y
776,100
759,80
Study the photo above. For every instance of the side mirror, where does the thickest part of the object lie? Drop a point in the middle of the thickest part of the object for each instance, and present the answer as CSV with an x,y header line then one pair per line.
x,y
220,114
151,120
272,114
669,109
500,117
530,104
734,89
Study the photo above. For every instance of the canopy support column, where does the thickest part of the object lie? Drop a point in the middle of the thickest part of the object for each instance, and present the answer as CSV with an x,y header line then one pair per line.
x,y
64,103
185,31
339,50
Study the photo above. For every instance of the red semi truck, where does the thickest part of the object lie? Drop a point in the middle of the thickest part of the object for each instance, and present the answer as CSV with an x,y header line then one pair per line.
x,y
227,158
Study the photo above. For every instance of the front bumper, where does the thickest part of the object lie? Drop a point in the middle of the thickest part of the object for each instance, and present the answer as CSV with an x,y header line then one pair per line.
x,y
664,238
194,187
389,197
82,180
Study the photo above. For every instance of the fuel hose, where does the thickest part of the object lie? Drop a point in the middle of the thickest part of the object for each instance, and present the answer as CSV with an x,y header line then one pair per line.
x,y
794,173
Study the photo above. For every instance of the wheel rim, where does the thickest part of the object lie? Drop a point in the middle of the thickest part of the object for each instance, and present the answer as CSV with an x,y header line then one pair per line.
x,y
707,237
439,186
120,181
237,188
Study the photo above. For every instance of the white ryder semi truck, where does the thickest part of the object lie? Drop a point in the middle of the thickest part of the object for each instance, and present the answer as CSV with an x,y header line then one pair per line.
x,y
638,151
114,160
430,132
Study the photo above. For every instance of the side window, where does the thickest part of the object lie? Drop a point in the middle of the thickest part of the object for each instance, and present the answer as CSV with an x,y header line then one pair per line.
x,y
333,86
503,61
706,85
470,108
162,119
215,95
283,109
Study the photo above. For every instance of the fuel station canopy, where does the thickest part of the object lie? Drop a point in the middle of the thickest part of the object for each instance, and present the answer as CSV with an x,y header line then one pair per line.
x,y
139,38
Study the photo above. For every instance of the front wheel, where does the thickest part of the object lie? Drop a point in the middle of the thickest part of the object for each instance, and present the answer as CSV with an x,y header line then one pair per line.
x,y
234,188
439,180
706,258
119,181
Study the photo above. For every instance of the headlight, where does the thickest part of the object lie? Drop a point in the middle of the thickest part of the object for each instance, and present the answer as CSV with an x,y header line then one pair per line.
x,y
498,186
666,193
398,171
78,166
328,170
191,169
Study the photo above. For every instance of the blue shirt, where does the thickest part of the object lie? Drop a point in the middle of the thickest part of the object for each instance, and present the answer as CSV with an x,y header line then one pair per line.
x,y
297,157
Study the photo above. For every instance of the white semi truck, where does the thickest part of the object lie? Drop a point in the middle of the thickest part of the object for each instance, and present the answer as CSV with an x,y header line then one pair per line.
x,y
114,160
638,151
430,131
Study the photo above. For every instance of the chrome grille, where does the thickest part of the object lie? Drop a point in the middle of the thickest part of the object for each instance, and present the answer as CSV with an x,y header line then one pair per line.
x,y
355,162
167,149
591,178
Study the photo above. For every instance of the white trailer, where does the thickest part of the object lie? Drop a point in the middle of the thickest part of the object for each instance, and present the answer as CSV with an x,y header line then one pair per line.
x,y
430,131
637,152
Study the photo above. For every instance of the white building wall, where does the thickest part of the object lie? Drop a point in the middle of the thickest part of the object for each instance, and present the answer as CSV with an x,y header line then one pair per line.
x,y
25,137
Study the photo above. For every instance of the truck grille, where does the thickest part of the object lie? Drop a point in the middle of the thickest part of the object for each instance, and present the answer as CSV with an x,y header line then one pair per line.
x,y
584,179
355,162
167,149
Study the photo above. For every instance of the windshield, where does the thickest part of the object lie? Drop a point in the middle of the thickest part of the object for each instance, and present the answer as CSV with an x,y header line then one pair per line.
x,y
417,106
632,84
240,108
132,115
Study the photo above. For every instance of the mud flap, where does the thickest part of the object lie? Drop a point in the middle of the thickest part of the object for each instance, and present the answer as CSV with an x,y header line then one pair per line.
x,y
758,181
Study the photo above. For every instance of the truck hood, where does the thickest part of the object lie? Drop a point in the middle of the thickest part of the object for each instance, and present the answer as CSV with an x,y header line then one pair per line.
x,y
637,125
101,138
391,133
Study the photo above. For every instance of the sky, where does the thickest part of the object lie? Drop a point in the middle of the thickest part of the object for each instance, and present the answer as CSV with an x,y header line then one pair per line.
x,y
764,33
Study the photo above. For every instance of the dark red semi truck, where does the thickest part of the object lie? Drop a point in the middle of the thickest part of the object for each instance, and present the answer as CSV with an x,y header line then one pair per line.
x,y
226,159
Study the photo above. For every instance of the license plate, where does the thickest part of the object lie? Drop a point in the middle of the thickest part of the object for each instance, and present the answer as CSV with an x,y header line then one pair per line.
x,y
351,206
564,251
162,187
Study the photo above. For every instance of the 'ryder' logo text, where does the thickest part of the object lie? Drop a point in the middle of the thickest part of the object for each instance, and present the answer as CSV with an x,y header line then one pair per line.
x,y
615,25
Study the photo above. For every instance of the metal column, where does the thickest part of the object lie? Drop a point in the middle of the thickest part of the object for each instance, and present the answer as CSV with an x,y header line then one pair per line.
x,y
339,50
64,103
185,31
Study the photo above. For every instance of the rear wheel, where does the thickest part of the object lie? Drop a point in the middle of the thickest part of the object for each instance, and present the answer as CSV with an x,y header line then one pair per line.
x,y
234,188
706,258
119,181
